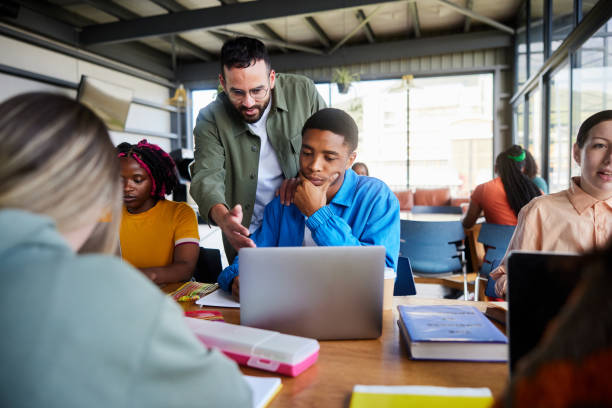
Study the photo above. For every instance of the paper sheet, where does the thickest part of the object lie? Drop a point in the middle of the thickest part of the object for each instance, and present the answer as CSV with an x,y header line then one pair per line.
x,y
218,298
264,389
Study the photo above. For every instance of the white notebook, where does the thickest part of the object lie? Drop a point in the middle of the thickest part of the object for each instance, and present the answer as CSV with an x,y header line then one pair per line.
x,y
264,389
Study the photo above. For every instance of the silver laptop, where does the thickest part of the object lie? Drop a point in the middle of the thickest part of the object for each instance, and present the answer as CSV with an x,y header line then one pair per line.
x,y
327,293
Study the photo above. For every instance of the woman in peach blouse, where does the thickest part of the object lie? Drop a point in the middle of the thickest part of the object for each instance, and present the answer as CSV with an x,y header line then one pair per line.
x,y
577,219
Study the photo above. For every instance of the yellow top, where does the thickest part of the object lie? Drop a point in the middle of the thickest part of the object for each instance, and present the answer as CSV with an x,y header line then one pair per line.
x,y
148,239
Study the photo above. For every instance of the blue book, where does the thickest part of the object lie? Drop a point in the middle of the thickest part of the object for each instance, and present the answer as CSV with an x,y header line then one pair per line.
x,y
440,332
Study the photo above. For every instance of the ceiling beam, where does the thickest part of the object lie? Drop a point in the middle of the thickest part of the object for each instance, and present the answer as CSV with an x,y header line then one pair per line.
x,y
468,20
212,17
316,28
56,12
476,16
123,13
261,27
198,74
270,33
354,30
414,13
170,5
284,44
174,7
367,29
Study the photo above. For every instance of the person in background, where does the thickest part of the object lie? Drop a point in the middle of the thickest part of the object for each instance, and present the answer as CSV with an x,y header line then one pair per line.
x,y
361,169
248,140
577,219
158,236
502,198
570,367
104,336
531,171
332,206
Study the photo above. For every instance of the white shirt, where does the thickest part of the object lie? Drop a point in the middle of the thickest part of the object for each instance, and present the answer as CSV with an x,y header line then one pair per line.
x,y
269,172
308,241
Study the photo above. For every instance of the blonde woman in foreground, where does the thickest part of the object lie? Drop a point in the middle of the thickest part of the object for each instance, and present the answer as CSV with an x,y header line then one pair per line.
x,y
84,330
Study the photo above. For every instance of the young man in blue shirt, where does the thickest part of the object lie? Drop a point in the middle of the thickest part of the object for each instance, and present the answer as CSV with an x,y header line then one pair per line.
x,y
332,205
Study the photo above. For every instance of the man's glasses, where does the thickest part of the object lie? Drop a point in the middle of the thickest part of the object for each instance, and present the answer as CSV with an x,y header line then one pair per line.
x,y
258,93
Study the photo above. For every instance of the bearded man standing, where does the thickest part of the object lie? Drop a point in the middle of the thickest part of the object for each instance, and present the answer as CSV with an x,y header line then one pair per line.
x,y
248,140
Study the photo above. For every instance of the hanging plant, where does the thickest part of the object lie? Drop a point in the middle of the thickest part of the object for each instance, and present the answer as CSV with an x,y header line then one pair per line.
x,y
343,79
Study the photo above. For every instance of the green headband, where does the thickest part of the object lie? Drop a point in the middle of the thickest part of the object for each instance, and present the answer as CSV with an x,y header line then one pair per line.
x,y
518,158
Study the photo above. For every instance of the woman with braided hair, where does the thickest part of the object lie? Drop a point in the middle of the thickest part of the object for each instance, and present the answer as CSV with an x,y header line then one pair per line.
x,y
158,236
502,198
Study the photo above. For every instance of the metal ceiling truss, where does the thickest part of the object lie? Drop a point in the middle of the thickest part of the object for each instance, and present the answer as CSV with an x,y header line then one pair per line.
x,y
367,29
57,23
212,17
205,74
414,13
316,28
468,20
123,13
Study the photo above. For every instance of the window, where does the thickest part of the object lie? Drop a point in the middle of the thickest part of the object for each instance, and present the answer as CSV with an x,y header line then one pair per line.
x,y
591,79
536,36
521,49
534,135
451,138
559,130
200,99
562,21
519,124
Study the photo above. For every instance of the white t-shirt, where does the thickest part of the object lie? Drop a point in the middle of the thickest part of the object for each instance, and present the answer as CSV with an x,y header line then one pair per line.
x,y
269,172
308,241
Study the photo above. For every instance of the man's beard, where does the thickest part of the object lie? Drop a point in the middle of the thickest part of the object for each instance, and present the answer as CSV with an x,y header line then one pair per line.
x,y
260,111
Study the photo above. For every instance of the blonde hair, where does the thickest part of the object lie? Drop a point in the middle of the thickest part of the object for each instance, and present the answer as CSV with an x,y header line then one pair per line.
x,y
57,159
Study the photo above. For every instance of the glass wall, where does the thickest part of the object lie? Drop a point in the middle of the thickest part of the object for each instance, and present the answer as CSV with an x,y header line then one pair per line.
x,y
451,138
536,36
559,130
534,135
562,22
576,86
521,48
591,79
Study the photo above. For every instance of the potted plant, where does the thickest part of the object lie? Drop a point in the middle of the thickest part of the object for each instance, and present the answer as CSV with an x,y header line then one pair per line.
x,y
343,78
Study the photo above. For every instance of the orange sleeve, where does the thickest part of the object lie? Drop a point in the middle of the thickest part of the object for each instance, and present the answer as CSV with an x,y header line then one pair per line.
x,y
186,225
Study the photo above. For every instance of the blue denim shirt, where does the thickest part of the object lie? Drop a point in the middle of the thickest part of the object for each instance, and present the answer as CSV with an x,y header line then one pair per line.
x,y
364,211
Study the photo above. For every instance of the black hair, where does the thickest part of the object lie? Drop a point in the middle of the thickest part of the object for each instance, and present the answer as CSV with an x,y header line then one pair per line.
x,y
531,167
362,164
242,52
156,162
519,188
590,123
336,121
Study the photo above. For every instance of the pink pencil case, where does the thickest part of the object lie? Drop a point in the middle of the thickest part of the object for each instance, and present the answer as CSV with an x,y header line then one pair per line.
x,y
258,348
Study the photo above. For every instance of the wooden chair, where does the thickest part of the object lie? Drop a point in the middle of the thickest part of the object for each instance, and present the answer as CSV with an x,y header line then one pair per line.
x,y
435,251
495,239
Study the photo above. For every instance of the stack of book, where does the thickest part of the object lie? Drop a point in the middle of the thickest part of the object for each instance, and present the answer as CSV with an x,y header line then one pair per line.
x,y
440,332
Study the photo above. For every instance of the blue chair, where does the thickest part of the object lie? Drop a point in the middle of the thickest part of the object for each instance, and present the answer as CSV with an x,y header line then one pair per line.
x,y
495,239
435,209
404,283
434,248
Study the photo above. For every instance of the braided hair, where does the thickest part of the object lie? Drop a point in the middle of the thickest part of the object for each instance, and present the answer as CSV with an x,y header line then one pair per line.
x,y
156,162
509,164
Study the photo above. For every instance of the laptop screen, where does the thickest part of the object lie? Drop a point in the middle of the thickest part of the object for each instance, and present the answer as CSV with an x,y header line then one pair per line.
x,y
538,286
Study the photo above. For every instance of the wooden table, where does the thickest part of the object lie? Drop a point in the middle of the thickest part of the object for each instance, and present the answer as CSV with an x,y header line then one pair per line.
x,y
383,361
